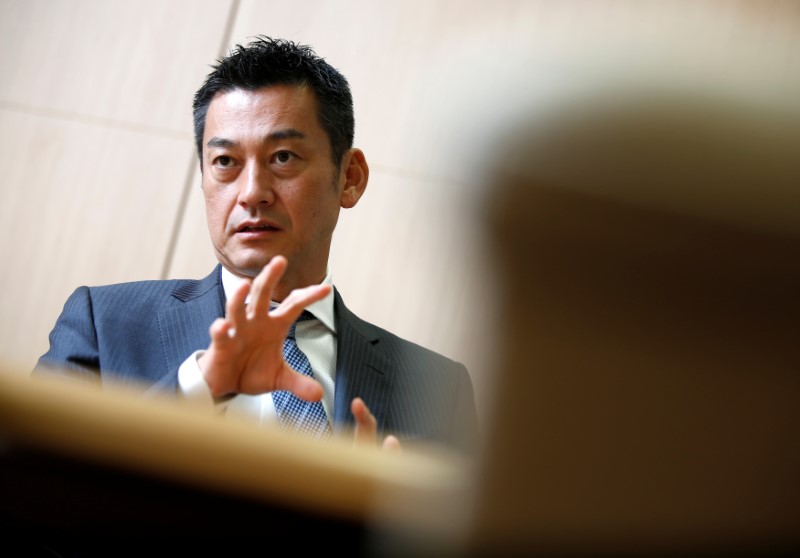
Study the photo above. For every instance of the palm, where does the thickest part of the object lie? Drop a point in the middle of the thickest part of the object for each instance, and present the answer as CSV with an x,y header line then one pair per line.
x,y
246,351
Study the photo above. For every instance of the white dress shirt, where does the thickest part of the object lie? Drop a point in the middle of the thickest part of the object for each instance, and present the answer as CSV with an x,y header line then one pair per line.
x,y
316,338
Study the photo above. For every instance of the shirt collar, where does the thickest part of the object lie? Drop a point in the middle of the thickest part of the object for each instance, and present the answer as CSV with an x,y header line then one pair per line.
x,y
321,309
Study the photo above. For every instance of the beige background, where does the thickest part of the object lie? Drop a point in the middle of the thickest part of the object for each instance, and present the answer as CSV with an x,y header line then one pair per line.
x,y
99,181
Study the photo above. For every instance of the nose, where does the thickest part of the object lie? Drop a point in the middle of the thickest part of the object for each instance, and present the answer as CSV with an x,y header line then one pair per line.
x,y
256,188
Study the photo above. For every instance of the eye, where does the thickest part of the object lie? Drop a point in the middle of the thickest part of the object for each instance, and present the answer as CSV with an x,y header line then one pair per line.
x,y
284,157
223,161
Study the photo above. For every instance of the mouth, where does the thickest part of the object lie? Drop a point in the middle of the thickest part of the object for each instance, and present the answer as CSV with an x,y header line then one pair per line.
x,y
255,228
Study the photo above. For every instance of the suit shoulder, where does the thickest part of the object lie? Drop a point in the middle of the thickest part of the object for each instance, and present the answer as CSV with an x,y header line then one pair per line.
x,y
392,345
134,289
148,285
398,346
148,292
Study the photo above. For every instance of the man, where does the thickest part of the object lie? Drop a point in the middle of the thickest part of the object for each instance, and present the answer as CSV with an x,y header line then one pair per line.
x,y
274,132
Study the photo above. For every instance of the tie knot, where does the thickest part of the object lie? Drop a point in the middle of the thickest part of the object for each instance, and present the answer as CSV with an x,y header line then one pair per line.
x,y
304,317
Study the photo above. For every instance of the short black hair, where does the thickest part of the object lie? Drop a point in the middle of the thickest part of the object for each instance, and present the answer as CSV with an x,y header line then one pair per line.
x,y
265,62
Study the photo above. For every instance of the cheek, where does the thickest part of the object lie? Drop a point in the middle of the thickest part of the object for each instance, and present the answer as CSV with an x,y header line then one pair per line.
x,y
325,217
217,210
319,212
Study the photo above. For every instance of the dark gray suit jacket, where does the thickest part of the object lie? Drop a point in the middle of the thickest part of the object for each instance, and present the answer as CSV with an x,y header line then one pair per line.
x,y
141,332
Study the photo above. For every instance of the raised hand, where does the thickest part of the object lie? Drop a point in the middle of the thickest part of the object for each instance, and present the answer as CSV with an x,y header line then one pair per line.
x,y
366,431
246,351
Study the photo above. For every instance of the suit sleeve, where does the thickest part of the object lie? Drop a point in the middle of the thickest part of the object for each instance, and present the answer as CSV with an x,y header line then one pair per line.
x,y
73,341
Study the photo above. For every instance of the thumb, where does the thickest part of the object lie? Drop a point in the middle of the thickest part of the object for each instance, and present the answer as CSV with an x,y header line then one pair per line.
x,y
302,386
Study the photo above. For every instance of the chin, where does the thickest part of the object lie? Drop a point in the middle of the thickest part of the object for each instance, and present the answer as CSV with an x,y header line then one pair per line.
x,y
247,268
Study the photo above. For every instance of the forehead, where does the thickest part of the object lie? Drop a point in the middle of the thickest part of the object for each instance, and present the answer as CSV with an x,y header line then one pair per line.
x,y
261,112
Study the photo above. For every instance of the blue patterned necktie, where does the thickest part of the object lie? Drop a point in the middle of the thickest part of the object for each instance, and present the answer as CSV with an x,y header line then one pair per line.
x,y
295,414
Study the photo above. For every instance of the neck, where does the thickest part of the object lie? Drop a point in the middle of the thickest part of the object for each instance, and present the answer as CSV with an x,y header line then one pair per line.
x,y
286,284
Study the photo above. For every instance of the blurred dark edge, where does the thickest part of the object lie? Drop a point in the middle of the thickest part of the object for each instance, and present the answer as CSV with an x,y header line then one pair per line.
x,y
52,505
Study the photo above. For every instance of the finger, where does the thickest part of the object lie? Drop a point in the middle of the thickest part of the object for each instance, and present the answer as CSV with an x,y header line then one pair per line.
x,y
302,386
366,426
221,331
392,444
297,301
235,309
264,284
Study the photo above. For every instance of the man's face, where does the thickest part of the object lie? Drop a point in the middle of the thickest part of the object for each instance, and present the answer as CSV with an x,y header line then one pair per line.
x,y
269,182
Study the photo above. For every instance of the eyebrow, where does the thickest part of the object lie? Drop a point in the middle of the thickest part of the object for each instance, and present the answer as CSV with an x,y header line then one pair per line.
x,y
289,133
220,142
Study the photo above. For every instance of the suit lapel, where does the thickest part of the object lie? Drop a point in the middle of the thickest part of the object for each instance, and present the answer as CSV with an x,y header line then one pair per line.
x,y
184,325
362,369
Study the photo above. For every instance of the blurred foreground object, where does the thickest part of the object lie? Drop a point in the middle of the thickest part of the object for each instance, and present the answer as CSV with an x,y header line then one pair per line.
x,y
646,238
91,472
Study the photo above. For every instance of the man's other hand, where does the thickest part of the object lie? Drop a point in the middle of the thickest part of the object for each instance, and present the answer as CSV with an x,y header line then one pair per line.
x,y
366,432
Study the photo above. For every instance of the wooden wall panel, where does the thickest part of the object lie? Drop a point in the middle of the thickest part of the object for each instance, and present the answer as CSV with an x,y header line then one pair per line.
x,y
114,60
193,256
96,143
77,209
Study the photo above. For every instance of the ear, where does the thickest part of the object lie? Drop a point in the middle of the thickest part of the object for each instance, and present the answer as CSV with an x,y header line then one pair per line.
x,y
353,177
